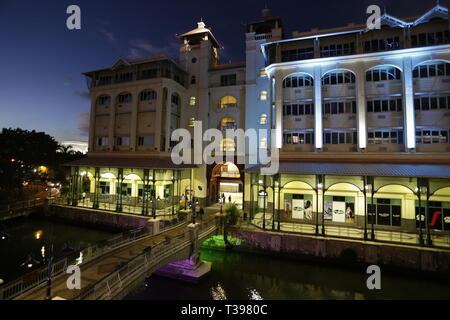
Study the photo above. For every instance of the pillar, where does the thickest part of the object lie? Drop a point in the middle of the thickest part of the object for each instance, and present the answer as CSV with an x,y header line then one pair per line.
x,y
95,204
408,105
318,118
119,206
361,107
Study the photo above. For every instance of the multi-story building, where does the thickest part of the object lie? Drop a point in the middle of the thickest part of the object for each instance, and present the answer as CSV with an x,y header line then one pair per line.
x,y
362,119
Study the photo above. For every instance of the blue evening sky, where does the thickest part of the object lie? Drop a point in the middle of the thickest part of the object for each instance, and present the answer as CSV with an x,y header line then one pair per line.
x,y
41,86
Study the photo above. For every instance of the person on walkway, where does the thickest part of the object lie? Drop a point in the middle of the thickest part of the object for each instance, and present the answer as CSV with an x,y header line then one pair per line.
x,y
201,212
229,199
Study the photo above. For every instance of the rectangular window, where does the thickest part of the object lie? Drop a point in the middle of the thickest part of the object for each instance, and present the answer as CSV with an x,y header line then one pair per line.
x,y
228,80
146,141
123,141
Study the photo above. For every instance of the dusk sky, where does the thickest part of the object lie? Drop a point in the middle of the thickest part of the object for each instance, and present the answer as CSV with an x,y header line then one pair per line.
x,y
41,60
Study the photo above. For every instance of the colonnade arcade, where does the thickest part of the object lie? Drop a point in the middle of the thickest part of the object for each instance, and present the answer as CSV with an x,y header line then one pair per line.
x,y
137,191
363,202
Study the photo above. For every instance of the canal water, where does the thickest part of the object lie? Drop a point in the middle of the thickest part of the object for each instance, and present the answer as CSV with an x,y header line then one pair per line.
x,y
32,236
244,276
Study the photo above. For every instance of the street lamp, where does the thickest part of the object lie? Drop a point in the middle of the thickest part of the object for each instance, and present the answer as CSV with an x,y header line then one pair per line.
x,y
319,188
423,190
221,204
418,191
173,194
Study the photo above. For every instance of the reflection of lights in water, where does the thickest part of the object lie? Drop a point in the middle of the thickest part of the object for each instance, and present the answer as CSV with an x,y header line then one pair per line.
x,y
218,293
38,234
254,295
43,251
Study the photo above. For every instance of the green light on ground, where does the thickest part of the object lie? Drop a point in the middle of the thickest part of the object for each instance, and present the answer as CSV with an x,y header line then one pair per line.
x,y
218,243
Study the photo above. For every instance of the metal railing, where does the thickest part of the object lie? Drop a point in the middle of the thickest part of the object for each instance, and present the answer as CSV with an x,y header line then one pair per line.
x,y
38,278
353,232
148,260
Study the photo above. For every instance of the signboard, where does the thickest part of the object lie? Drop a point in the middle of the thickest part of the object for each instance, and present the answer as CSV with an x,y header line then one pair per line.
x,y
298,209
339,211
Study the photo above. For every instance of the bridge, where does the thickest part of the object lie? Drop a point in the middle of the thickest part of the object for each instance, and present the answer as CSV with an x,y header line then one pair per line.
x,y
110,270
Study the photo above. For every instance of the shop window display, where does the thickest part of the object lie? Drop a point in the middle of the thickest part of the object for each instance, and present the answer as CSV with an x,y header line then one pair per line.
x,y
298,206
438,215
339,209
385,212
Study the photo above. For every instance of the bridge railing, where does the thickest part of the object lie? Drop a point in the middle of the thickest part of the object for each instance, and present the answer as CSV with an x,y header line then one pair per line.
x,y
38,278
148,260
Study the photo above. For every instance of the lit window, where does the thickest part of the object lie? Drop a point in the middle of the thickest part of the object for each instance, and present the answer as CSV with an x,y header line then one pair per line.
x,y
227,123
262,73
263,119
263,96
192,101
263,143
228,102
191,122
228,145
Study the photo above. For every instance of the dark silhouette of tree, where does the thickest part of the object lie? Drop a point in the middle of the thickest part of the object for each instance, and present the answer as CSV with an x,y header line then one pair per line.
x,y
22,151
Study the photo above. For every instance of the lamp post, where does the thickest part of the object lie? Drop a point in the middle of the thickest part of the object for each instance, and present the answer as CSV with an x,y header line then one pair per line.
x,y
221,204
419,196
173,195
425,192
319,186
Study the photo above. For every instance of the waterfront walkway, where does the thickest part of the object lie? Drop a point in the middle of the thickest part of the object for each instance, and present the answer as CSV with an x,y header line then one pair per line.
x,y
96,270
438,240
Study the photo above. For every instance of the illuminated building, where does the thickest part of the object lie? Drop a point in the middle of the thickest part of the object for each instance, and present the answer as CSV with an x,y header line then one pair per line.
x,y
361,113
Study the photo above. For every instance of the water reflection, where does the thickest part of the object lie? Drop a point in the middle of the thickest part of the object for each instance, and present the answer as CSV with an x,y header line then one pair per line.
x,y
218,293
25,244
243,276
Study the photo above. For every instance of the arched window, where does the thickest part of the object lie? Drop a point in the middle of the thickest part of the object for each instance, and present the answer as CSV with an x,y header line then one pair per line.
x,y
338,77
228,102
148,95
263,119
227,123
432,69
383,74
104,100
125,97
299,80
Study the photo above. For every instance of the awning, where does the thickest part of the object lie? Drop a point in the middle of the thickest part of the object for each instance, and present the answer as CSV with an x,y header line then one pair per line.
x,y
128,163
363,169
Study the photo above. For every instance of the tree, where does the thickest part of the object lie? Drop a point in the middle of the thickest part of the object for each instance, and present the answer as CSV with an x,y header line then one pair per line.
x,y
232,214
22,151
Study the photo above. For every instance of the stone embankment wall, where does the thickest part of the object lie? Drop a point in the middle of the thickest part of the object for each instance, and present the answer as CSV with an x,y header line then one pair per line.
x,y
397,257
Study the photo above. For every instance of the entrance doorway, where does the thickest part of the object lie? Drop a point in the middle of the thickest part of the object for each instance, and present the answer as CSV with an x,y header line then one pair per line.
x,y
226,181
